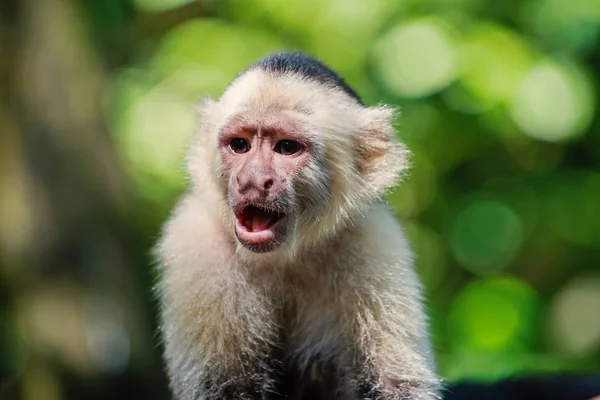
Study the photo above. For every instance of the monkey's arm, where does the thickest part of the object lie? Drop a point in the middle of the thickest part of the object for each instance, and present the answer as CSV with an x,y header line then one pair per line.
x,y
217,328
217,350
390,324
396,361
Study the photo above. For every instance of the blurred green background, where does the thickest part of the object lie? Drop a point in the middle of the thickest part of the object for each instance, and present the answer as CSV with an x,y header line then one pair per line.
x,y
499,105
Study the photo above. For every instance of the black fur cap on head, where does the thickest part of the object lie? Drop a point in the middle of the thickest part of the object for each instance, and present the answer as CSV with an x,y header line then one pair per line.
x,y
305,66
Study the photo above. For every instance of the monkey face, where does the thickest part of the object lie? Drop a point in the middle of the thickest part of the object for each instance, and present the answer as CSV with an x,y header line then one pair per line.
x,y
263,155
294,159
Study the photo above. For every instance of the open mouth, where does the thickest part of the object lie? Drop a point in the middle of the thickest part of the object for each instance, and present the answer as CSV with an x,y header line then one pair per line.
x,y
255,226
256,219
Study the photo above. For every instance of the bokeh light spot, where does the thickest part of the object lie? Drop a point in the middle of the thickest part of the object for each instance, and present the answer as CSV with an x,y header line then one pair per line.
x,y
212,43
485,236
494,314
298,16
575,317
493,61
417,58
353,18
552,103
154,133
108,341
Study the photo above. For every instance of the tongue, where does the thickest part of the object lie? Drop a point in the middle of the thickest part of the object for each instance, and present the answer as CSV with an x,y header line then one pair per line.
x,y
260,222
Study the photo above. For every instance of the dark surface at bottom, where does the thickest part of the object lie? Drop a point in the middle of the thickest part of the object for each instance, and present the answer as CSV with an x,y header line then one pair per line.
x,y
533,388
137,386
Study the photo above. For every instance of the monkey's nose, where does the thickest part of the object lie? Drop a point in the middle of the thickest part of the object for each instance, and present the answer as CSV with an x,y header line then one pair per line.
x,y
254,186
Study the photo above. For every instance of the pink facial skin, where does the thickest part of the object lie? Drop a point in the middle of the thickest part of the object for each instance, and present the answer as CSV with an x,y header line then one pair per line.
x,y
262,154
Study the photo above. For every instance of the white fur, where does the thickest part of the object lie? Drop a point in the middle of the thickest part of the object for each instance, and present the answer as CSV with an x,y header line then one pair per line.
x,y
343,290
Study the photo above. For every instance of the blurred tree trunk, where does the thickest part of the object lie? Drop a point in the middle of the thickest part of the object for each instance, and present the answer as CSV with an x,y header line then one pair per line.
x,y
70,285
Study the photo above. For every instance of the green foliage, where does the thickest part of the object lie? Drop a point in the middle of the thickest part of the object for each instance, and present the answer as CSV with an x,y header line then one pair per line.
x,y
498,106
497,109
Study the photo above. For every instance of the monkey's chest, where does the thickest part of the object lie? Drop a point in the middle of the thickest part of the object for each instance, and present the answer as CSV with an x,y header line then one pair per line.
x,y
308,357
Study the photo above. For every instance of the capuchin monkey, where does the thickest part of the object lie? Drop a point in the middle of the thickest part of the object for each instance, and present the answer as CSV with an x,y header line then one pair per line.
x,y
284,275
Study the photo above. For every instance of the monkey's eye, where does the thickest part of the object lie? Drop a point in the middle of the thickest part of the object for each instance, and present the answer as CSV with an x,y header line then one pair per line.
x,y
287,147
239,145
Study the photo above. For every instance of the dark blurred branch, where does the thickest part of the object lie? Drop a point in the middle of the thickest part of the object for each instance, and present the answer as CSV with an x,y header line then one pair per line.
x,y
61,86
63,194
122,32
155,25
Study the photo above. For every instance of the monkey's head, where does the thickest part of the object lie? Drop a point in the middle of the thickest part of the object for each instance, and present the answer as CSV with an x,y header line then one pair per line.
x,y
293,153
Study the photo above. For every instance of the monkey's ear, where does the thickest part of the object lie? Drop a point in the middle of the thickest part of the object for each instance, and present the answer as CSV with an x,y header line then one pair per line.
x,y
382,158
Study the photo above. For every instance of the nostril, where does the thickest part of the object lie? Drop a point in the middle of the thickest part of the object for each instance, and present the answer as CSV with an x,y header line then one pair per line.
x,y
268,184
